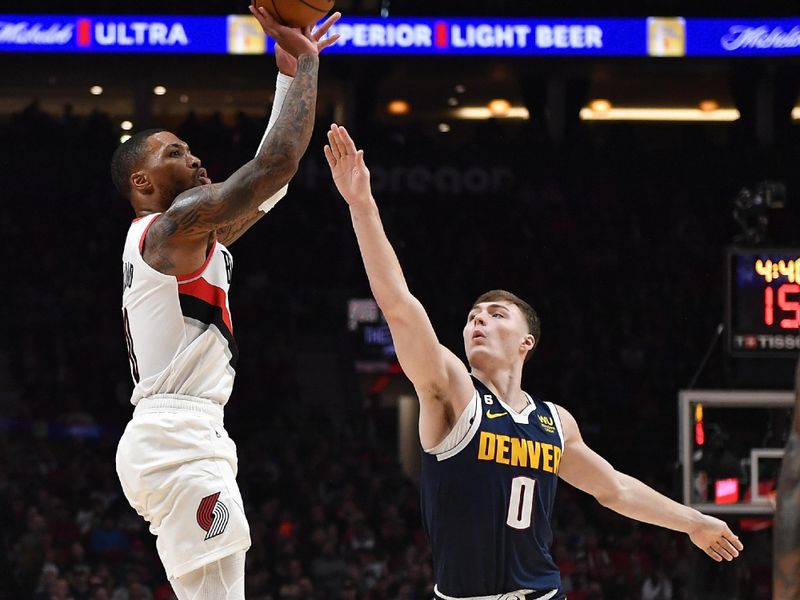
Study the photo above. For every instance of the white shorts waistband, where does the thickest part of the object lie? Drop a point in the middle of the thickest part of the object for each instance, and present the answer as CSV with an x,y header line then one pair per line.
x,y
518,595
179,403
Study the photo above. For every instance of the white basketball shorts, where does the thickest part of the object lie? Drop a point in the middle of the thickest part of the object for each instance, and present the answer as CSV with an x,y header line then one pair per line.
x,y
177,467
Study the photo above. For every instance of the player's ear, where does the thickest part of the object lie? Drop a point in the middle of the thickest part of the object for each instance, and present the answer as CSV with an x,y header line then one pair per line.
x,y
141,183
527,343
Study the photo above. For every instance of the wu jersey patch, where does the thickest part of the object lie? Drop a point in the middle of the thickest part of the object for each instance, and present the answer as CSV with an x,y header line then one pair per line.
x,y
547,424
212,516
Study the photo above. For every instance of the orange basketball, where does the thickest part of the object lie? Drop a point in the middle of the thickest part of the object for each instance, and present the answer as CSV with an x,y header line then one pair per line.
x,y
297,13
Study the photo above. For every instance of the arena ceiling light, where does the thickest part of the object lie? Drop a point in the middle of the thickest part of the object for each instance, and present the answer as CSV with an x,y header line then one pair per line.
x,y
398,107
653,113
484,112
499,107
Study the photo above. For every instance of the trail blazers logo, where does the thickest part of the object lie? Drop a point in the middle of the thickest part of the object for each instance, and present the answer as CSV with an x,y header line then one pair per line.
x,y
212,516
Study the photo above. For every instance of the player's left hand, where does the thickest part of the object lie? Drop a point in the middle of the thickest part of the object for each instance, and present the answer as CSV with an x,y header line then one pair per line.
x,y
350,172
715,538
287,64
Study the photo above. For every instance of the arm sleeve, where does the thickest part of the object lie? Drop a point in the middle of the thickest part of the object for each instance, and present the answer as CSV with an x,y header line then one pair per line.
x,y
281,88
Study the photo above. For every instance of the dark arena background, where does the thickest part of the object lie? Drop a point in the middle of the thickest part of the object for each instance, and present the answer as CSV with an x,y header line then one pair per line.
x,y
634,177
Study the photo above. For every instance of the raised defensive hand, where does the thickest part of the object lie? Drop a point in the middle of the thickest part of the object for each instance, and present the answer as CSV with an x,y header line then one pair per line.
x,y
716,539
350,172
287,64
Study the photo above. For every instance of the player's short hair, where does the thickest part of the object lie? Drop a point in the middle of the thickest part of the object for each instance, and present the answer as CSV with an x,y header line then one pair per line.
x,y
531,317
128,158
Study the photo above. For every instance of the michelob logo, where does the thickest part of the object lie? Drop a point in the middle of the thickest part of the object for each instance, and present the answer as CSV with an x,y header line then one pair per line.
x,y
666,36
245,35
24,33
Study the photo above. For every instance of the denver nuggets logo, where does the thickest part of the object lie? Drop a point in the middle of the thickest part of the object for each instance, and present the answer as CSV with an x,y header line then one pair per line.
x,y
212,516
547,423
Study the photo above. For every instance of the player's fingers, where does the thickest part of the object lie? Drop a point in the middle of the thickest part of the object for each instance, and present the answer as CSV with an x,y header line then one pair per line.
x,y
722,551
329,155
334,144
347,141
268,24
733,539
328,41
326,24
713,554
730,548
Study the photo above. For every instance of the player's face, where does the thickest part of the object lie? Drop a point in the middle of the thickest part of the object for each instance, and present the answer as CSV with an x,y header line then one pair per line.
x,y
496,333
172,167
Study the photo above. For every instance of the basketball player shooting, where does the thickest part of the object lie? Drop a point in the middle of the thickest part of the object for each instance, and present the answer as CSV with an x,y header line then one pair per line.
x,y
175,461
492,453
786,560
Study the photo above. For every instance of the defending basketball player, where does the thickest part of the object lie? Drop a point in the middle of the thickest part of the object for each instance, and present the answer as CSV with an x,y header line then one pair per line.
x,y
492,453
786,560
175,461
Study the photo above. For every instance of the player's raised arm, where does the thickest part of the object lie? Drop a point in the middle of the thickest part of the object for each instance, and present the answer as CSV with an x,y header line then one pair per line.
x,y
440,378
586,470
786,555
287,69
206,208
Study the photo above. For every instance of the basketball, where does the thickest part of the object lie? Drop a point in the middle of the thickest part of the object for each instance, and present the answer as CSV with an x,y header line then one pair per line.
x,y
297,13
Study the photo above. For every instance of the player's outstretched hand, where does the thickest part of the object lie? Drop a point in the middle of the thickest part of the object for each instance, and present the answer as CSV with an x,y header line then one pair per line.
x,y
287,64
716,539
350,172
295,41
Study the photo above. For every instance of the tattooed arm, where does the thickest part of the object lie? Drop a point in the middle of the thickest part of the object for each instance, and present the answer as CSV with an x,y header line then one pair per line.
x,y
230,233
179,239
287,67
786,551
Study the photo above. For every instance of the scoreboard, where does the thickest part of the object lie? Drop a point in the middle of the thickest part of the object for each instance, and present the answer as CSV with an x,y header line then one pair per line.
x,y
763,308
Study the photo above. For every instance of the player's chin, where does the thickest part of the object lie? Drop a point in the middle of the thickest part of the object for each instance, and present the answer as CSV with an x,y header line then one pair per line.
x,y
477,354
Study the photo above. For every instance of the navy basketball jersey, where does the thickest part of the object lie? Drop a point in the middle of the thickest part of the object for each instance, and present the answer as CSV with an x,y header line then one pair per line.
x,y
488,491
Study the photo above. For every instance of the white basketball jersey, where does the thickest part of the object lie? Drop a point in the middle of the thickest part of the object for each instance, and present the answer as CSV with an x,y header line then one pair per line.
x,y
178,329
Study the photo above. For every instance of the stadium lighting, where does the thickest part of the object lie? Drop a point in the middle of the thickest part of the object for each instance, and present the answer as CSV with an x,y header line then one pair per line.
x,y
126,125
483,112
645,113
709,105
499,107
600,105
398,107
96,90
159,90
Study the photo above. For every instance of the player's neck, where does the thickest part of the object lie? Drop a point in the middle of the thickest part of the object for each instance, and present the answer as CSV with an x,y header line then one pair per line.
x,y
506,384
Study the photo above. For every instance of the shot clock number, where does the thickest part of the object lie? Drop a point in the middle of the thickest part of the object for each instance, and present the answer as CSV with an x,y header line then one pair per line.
x,y
786,300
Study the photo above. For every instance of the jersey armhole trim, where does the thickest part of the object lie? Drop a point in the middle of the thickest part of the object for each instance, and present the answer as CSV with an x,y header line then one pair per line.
x,y
196,273
144,233
557,419
467,425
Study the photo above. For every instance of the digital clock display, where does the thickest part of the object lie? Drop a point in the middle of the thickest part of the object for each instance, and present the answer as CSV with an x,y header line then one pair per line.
x,y
763,301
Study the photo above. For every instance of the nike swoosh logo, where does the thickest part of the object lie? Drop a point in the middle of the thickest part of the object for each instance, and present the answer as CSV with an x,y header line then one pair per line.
x,y
492,415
